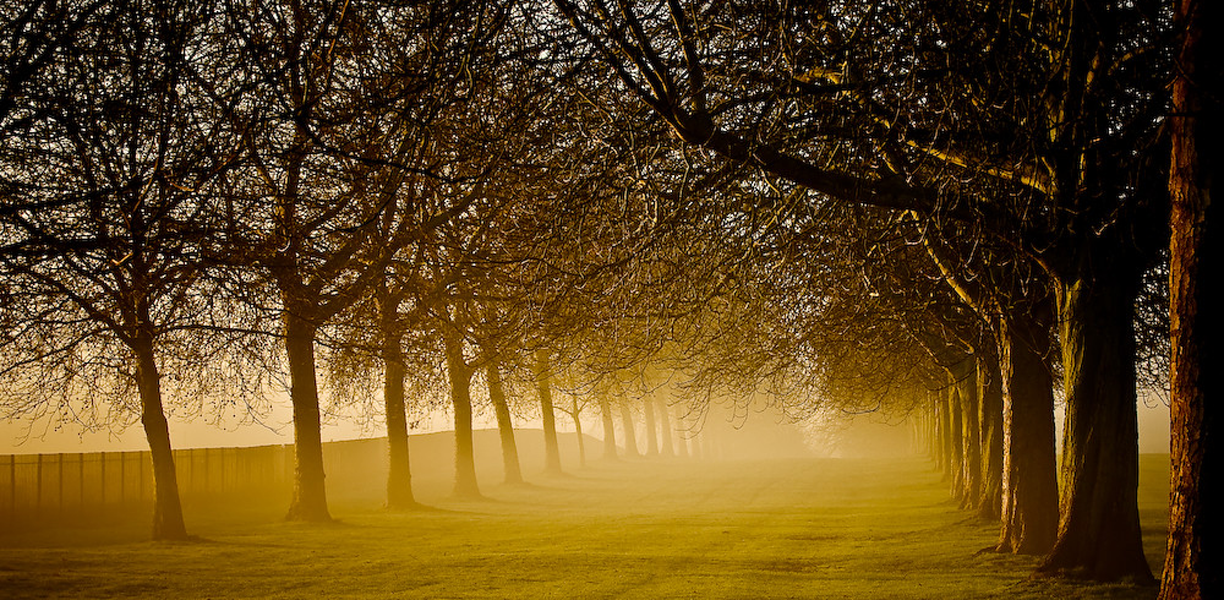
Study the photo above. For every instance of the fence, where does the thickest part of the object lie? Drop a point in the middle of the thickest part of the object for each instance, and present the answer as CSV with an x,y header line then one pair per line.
x,y
39,485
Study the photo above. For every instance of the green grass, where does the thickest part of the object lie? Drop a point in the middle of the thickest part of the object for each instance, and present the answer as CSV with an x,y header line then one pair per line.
x,y
818,528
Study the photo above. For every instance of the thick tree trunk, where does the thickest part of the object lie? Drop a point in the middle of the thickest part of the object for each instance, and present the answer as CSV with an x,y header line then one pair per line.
x,y
665,431
309,502
1030,477
1193,566
461,399
990,423
399,472
971,439
1098,533
628,427
609,427
505,425
552,450
167,508
652,437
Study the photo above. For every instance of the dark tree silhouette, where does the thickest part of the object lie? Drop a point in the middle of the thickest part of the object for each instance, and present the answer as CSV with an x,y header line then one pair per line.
x,y
123,136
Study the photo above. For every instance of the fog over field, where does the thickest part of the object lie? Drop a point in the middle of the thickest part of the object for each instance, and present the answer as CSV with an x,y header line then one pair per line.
x,y
594,298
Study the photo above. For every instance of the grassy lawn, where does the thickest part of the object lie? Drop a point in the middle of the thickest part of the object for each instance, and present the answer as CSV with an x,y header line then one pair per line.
x,y
803,528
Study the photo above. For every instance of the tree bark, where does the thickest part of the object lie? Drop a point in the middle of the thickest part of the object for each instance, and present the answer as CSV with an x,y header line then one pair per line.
x,y
168,521
971,440
665,431
990,419
309,502
1030,477
1098,533
1192,566
552,450
652,437
461,399
505,425
628,427
399,472
609,427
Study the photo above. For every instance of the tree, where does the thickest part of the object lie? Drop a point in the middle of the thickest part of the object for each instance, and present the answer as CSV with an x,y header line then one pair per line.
x,y
543,378
1192,558
336,144
505,424
121,150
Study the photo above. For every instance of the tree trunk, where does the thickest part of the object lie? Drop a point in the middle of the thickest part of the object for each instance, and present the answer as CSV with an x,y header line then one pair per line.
x,y
309,501
971,440
1098,533
609,427
1030,477
505,425
681,435
578,432
552,450
1192,566
167,508
399,472
665,431
990,419
461,398
955,442
652,438
628,427
939,433
947,462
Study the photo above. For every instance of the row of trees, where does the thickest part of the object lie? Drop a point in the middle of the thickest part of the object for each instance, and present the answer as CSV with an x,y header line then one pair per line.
x,y
943,211
1029,144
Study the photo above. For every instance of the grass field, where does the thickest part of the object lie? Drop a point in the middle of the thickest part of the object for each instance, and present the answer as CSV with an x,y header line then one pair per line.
x,y
797,528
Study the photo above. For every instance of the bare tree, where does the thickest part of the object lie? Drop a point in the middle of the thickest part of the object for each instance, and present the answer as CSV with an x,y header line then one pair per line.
x,y
125,137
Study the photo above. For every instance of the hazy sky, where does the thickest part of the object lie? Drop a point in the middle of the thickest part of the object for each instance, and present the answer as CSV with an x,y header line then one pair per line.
x,y
277,428
1153,433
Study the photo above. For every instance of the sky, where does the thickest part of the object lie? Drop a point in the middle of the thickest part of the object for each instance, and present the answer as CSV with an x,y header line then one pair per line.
x,y
15,437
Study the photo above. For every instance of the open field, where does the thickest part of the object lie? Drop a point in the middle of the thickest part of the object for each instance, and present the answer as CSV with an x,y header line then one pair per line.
x,y
796,528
